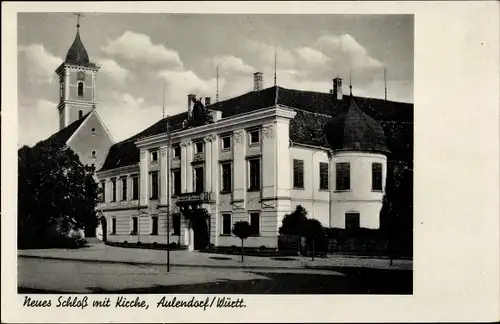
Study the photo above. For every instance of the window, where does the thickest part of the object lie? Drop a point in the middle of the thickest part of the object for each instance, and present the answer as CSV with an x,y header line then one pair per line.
x,y
298,174
255,223
323,176
176,175
198,179
377,176
135,226
226,143
93,131
351,221
80,89
135,188
93,154
226,224
342,176
254,168
154,156
177,152
176,223
124,189
80,114
198,147
103,191
113,225
154,225
254,137
226,177
113,183
154,185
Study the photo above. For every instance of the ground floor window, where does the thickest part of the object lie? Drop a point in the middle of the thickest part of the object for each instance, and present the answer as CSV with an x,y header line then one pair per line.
x,y
154,225
176,223
113,225
351,221
135,226
226,224
255,223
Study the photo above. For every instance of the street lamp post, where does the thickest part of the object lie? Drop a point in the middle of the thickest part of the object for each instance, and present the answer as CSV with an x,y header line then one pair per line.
x,y
169,145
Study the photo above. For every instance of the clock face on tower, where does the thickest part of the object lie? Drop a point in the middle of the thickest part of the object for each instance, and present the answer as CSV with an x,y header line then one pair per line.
x,y
80,76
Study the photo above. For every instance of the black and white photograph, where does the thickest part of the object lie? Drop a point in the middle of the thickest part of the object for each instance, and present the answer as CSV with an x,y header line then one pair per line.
x,y
249,154
185,161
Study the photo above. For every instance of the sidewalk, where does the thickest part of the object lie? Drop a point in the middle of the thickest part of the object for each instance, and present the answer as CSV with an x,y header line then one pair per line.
x,y
99,252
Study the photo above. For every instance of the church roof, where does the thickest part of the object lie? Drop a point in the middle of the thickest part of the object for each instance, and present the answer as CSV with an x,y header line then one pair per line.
x,y
64,134
354,130
314,110
77,54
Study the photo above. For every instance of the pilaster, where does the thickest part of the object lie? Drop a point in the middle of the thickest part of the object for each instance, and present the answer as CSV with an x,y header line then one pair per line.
x,y
184,165
189,169
208,162
239,161
163,176
269,161
143,178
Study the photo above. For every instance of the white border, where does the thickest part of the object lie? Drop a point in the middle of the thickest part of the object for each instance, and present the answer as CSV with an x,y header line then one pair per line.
x,y
456,172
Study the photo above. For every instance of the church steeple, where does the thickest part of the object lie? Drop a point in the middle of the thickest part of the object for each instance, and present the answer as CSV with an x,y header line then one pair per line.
x,y
77,76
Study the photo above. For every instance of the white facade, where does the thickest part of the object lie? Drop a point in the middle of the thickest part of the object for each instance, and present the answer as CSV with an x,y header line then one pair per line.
x,y
255,141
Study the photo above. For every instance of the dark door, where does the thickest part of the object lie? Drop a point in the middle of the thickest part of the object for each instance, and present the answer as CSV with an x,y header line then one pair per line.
x,y
201,237
104,226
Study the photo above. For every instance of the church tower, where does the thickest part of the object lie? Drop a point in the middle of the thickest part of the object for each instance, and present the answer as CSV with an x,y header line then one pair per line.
x,y
77,83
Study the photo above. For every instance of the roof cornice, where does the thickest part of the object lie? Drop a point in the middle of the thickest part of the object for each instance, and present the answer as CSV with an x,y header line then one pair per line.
x,y
278,111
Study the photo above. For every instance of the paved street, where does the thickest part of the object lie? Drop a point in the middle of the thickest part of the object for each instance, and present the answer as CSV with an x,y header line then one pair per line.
x,y
101,252
68,276
104,269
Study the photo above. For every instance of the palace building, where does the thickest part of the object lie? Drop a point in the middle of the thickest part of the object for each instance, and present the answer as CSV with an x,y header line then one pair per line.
x,y
254,157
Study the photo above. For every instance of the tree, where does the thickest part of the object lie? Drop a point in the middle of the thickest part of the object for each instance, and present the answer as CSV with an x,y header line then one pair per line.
x,y
56,192
292,223
313,231
243,230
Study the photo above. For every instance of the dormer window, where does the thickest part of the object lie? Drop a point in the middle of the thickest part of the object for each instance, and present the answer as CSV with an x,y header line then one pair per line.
x,y
80,89
93,154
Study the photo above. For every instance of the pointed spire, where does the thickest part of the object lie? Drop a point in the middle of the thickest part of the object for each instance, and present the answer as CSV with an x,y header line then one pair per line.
x,y
77,54
78,15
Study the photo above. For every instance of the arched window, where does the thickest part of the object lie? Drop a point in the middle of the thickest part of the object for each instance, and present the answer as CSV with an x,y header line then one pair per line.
x,y
80,89
93,154
80,114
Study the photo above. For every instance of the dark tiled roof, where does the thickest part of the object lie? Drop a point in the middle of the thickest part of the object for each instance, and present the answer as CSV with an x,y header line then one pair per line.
x,y
77,54
354,130
313,109
64,134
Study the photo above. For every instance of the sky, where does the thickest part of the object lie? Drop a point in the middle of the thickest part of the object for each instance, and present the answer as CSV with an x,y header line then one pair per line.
x,y
143,55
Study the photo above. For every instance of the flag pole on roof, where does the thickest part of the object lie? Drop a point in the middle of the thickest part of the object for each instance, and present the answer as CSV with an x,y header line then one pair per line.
x,y
275,63
385,84
217,85
163,102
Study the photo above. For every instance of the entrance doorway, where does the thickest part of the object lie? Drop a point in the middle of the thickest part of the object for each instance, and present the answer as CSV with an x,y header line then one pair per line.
x,y
200,231
104,226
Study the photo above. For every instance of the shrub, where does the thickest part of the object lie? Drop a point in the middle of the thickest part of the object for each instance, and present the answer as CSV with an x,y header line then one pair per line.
x,y
262,248
154,243
139,242
125,242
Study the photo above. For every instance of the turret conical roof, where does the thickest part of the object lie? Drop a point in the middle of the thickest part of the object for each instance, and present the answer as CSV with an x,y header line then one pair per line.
x,y
354,130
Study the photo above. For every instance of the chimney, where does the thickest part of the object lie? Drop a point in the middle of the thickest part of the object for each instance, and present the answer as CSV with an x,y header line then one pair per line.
x,y
337,88
207,101
257,81
191,97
